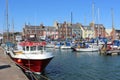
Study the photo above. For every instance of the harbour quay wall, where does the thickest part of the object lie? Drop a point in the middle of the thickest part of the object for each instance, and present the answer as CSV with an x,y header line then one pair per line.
x,y
8,69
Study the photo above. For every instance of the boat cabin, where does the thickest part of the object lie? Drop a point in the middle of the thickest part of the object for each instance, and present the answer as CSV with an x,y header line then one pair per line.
x,y
28,47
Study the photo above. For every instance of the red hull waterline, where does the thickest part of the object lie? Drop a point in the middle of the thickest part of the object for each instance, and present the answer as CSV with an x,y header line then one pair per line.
x,y
35,66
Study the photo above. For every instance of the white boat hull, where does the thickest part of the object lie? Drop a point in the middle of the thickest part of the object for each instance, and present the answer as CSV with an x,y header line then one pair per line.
x,y
86,49
56,47
50,46
65,47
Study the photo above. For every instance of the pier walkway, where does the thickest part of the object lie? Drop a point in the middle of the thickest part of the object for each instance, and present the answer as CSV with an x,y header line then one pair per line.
x,y
8,69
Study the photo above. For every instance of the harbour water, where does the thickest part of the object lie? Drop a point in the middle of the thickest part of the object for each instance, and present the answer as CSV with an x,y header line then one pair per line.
x,y
69,65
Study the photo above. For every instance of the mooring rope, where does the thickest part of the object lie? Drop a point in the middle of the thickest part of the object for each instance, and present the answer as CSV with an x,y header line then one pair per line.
x,y
44,77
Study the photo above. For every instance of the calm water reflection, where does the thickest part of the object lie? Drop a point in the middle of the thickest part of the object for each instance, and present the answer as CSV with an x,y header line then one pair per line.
x,y
69,65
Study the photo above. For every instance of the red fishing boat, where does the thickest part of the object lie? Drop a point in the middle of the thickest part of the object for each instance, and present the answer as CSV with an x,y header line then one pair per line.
x,y
31,56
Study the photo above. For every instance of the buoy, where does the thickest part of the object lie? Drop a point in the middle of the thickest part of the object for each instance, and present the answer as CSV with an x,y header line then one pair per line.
x,y
19,60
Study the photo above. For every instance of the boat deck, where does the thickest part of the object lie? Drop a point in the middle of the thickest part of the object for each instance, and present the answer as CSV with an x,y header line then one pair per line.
x,y
8,69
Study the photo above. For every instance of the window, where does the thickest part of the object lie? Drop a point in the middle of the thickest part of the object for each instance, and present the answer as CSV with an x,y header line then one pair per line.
x,y
24,48
27,48
33,48
39,48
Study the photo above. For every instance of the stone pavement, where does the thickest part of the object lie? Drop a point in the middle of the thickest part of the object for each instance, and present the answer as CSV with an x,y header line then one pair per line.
x,y
8,69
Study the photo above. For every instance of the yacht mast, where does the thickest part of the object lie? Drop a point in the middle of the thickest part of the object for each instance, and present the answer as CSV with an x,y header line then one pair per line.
x,y
112,18
93,12
93,22
66,30
71,20
13,29
98,24
84,20
113,29
7,20
71,17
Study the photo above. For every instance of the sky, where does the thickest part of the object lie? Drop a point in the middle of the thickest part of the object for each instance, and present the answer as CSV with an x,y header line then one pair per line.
x,y
47,12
